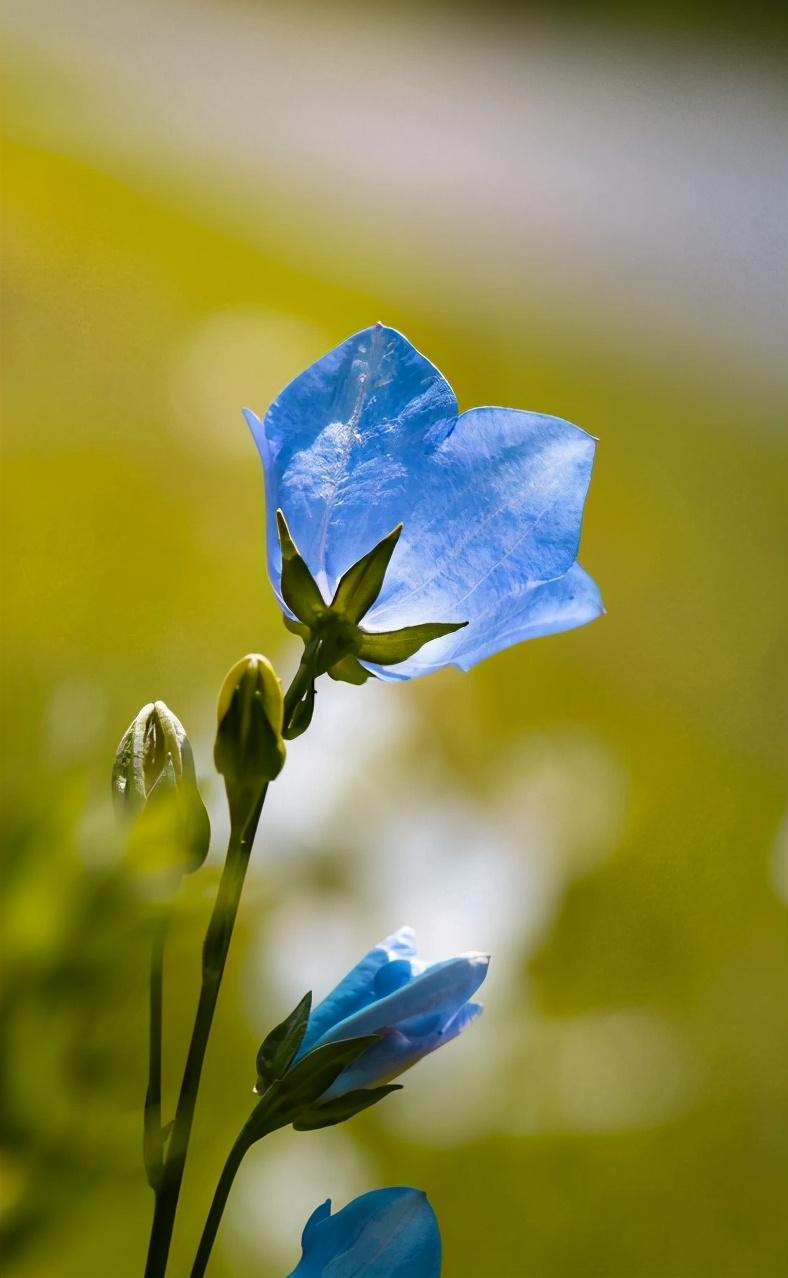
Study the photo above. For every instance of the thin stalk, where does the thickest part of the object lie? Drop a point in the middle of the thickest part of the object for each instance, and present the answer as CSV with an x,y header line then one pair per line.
x,y
215,948
153,1143
304,676
219,1202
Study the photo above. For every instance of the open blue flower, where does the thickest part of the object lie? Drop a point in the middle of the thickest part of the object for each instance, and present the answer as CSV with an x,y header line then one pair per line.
x,y
414,1008
491,500
388,1233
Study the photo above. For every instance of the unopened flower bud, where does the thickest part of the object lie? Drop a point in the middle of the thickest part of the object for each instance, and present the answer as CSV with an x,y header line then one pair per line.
x,y
249,750
154,783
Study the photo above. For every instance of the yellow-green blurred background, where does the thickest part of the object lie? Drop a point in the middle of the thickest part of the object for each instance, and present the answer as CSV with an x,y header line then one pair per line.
x,y
584,217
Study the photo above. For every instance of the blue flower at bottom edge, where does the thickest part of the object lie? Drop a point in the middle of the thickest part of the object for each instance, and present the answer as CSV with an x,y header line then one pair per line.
x,y
413,1007
491,500
388,1233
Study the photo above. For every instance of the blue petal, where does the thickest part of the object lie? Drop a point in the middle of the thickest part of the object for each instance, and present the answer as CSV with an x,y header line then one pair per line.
x,y
397,1052
437,994
491,500
563,604
358,989
337,447
388,1233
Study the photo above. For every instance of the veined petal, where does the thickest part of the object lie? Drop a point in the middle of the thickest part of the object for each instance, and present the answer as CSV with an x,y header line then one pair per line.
x,y
500,505
529,613
388,1233
338,445
437,995
398,1052
357,990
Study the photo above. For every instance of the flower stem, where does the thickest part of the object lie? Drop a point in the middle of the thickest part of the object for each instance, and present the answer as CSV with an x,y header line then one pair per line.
x,y
152,1139
214,957
215,948
219,1202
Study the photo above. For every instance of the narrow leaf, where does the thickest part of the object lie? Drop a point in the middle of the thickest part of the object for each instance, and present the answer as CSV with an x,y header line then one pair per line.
x,y
280,1046
361,584
329,1113
299,588
391,646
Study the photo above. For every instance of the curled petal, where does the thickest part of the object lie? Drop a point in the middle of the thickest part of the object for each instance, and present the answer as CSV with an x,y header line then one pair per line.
x,y
426,1003
357,990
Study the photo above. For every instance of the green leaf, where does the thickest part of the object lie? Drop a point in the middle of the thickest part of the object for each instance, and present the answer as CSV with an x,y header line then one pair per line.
x,y
348,670
280,1046
329,1113
299,588
361,584
391,646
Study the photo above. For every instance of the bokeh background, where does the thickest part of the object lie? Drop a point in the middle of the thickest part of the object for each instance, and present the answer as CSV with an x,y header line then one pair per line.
x,y
584,216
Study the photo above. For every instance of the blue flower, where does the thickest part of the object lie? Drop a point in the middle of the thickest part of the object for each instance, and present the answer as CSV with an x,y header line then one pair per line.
x,y
388,1233
413,1007
491,500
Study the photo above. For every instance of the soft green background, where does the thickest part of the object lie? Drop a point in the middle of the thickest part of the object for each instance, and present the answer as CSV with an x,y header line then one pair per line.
x,y
602,810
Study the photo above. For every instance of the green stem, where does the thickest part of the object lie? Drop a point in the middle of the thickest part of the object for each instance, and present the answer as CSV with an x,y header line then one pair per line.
x,y
215,948
152,1139
219,1202
304,676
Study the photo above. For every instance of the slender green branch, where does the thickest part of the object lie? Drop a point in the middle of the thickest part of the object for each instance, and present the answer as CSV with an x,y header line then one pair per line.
x,y
152,1140
215,949
304,676
219,1202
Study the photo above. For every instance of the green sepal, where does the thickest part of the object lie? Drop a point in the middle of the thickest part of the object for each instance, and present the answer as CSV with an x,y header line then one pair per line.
x,y
331,1112
305,1083
316,1071
392,646
348,670
301,717
360,586
300,591
280,1046
296,627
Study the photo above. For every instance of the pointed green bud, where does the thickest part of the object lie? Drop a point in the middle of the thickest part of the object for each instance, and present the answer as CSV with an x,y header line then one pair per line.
x,y
329,1113
249,750
154,784
391,646
299,588
360,586
280,1046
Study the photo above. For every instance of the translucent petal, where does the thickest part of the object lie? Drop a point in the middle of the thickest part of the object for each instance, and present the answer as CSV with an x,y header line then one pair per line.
x,y
338,443
528,613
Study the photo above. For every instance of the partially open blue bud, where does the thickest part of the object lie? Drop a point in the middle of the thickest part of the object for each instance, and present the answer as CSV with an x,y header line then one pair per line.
x,y
410,1007
388,1233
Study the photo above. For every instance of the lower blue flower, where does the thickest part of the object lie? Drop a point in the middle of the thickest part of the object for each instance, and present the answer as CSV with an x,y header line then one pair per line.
x,y
413,1008
388,1233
